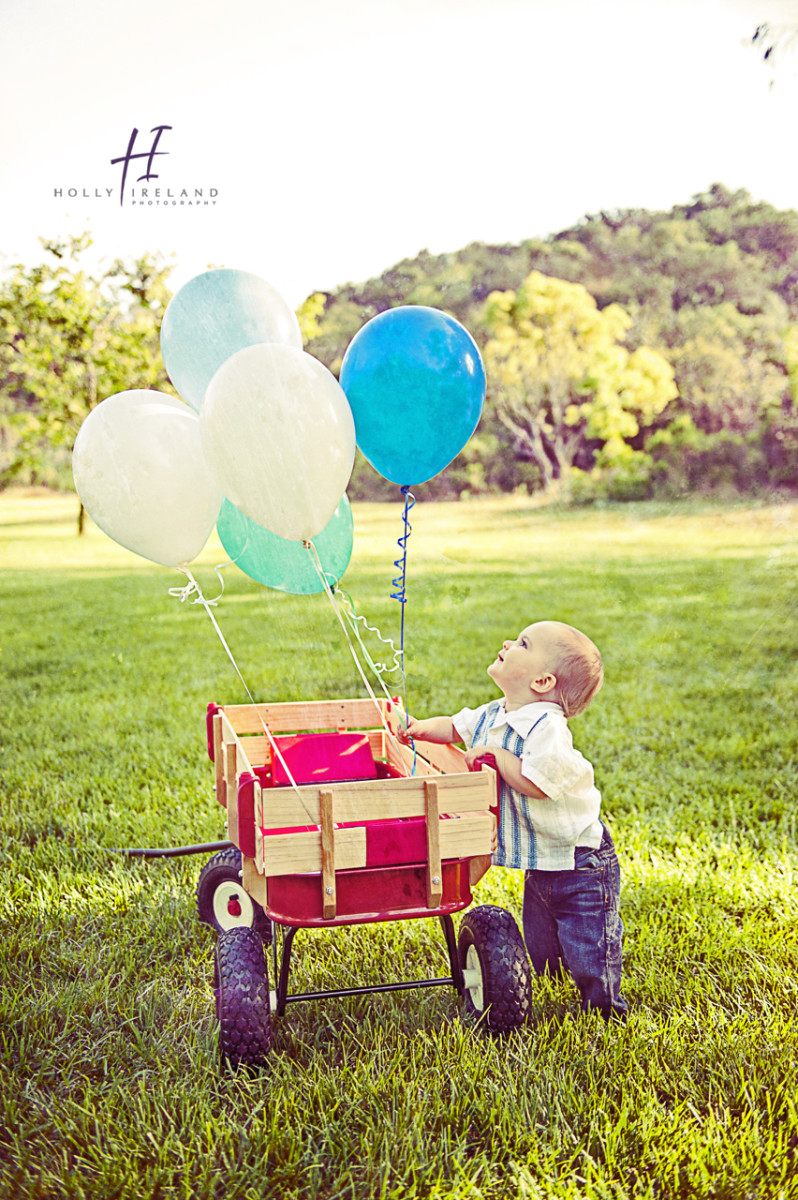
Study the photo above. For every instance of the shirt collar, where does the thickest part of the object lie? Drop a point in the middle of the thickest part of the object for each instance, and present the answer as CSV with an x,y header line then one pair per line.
x,y
521,720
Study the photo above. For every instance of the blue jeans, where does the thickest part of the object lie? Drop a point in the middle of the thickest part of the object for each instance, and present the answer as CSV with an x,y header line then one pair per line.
x,y
571,920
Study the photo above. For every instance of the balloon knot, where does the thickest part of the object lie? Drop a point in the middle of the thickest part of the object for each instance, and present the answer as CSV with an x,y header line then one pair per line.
x,y
192,591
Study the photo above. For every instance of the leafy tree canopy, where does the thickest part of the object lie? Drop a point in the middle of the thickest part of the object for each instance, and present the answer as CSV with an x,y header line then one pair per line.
x,y
710,287
67,340
657,347
564,384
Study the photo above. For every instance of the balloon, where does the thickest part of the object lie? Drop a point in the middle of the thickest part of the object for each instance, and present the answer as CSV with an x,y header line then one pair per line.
x,y
415,380
281,564
142,477
214,315
279,438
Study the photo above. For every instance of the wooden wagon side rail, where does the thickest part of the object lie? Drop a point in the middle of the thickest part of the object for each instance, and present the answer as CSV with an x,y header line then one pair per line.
x,y
306,715
375,800
316,830
246,724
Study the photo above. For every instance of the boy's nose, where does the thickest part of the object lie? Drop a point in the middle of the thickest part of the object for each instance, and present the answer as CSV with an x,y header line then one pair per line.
x,y
506,644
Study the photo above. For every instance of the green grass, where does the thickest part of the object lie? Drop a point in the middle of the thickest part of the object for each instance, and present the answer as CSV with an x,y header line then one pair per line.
x,y
111,1084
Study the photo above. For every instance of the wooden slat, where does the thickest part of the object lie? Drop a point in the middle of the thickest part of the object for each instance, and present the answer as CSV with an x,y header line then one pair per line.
x,y
257,750
230,756
297,853
377,800
304,715
218,758
430,759
492,776
254,882
258,758
478,866
230,737
327,855
377,743
463,837
228,733
448,759
406,761
434,869
258,806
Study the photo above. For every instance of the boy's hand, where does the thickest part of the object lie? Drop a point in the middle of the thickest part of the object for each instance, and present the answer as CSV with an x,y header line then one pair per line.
x,y
405,734
433,729
509,767
475,753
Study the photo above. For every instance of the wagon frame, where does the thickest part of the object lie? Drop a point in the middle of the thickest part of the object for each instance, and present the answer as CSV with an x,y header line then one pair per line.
x,y
322,848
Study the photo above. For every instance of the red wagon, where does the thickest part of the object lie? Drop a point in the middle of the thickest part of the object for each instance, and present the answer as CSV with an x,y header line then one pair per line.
x,y
333,822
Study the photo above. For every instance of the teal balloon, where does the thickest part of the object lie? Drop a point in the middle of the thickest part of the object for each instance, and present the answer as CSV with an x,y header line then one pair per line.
x,y
281,564
213,316
415,382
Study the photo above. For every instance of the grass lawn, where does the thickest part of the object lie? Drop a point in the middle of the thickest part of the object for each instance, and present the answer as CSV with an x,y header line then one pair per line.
x,y
111,1084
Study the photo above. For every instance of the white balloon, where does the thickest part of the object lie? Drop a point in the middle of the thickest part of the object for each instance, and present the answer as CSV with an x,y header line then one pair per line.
x,y
279,436
142,477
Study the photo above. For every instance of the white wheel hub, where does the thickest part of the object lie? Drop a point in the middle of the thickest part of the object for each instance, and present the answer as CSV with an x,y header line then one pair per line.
x,y
232,907
472,978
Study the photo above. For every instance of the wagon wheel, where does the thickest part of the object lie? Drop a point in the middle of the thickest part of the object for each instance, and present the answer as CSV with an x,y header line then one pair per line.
x,y
222,901
242,998
496,972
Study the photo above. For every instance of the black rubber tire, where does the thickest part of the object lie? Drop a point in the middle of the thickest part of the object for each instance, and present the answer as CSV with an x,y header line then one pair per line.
x,y
490,942
242,1002
219,881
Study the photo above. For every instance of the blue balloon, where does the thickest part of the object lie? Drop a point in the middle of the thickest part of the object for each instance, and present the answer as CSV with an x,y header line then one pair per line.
x,y
282,564
214,315
416,384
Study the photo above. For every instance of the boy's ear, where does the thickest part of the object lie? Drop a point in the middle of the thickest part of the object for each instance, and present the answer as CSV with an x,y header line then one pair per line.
x,y
544,683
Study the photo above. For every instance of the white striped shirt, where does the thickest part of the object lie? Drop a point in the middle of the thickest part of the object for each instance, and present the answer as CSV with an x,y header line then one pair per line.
x,y
536,833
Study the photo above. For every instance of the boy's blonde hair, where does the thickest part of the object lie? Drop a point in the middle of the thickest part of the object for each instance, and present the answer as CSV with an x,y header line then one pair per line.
x,y
578,667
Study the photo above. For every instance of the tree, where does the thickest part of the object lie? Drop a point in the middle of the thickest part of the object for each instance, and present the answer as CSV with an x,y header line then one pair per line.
x,y
730,367
69,339
563,383
309,314
710,285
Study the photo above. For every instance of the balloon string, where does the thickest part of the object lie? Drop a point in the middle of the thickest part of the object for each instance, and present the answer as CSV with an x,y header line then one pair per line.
x,y
379,669
314,556
186,593
400,582
355,619
193,589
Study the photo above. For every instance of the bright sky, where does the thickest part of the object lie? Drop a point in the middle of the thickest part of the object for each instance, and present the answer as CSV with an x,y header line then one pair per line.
x,y
342,137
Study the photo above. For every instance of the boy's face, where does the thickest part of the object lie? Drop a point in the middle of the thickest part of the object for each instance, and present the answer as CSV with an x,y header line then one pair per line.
x,y
522,669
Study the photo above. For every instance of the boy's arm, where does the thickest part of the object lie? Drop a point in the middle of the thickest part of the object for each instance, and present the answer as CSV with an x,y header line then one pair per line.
x,y
509,767
434,729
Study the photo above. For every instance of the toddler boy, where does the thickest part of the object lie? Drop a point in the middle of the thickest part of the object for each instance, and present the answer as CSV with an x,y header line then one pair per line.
x,y
549,806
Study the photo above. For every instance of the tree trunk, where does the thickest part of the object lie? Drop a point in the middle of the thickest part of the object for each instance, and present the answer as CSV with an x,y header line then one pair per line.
x,y
81,520
530,436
